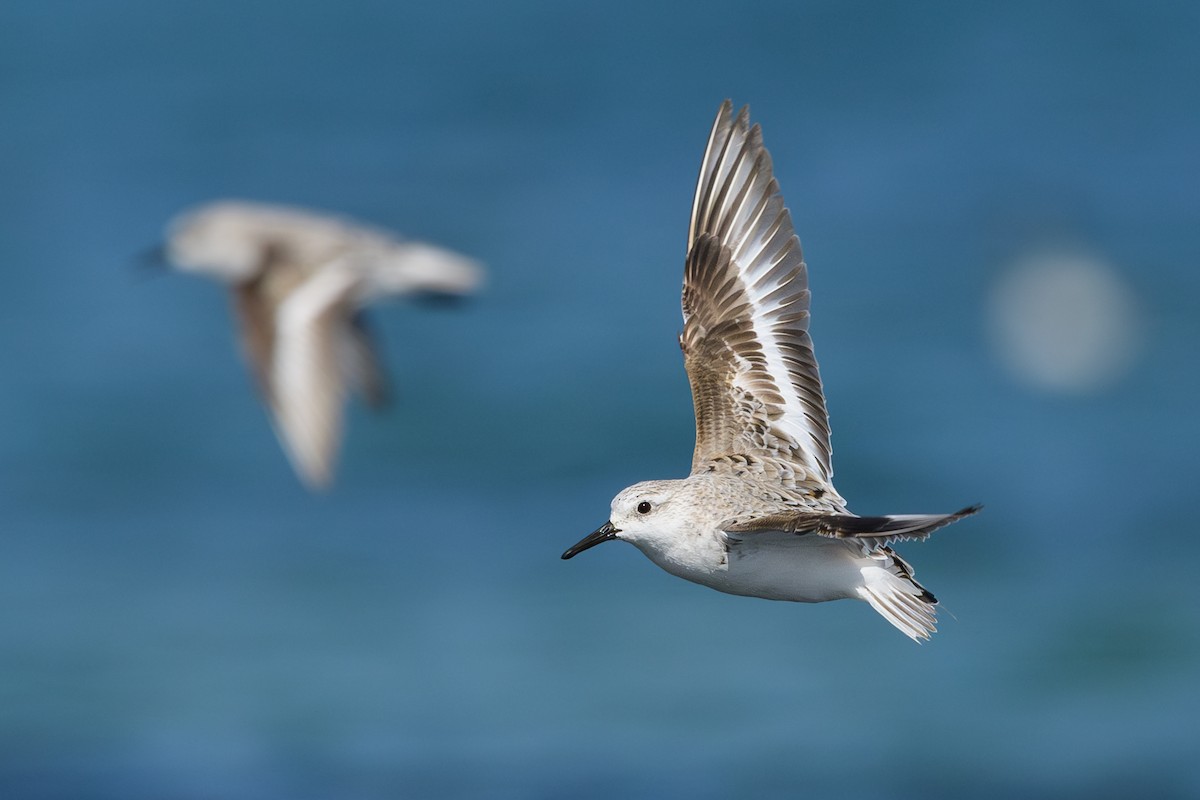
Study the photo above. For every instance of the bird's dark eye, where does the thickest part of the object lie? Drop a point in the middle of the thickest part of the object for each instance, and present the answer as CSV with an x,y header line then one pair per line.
x,y
643,507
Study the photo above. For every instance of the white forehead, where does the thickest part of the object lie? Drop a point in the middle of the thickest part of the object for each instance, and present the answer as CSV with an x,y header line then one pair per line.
x,y
227,219
223,240
646,490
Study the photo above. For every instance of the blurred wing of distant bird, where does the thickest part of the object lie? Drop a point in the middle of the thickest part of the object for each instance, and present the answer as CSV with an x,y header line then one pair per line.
x,y
745,338
308,377
362,367
256,321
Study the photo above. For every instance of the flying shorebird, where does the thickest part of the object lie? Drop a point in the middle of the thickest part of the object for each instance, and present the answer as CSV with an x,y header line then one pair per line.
x,y
758,515
299,281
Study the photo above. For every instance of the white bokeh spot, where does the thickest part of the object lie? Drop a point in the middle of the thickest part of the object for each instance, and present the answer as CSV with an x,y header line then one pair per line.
x,y
1064,321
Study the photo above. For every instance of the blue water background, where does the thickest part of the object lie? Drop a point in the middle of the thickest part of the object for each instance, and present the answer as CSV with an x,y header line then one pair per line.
x,y
179,619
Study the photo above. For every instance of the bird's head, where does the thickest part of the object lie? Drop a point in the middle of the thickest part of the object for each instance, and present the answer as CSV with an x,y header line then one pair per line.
x,y
221,240
639,515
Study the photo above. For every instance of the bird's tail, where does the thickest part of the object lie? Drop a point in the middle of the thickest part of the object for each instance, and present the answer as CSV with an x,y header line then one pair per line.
x,y
425,269
889,586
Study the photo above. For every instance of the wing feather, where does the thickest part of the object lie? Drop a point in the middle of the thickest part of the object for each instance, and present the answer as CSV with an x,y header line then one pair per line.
x,y
755,383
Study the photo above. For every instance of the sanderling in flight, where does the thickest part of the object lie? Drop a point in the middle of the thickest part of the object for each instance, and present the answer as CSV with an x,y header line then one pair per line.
x,y
299,281
758,515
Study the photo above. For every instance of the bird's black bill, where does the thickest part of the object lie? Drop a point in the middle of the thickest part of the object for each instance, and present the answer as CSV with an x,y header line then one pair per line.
x,y
601,534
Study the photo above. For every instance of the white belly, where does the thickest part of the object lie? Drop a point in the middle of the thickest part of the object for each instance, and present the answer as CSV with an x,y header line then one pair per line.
x,y
776,566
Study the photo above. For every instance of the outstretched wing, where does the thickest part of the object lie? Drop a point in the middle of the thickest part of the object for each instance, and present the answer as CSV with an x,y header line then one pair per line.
x,y
878,530
308,382
745,337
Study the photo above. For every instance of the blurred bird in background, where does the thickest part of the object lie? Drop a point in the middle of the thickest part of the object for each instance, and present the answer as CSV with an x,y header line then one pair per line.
x,y
299,282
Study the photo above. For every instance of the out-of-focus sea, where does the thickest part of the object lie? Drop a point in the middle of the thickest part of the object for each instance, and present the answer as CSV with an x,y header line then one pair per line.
x,y
180,619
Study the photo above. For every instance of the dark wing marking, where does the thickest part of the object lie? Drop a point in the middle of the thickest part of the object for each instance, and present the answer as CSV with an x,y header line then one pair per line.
x,y
849,526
